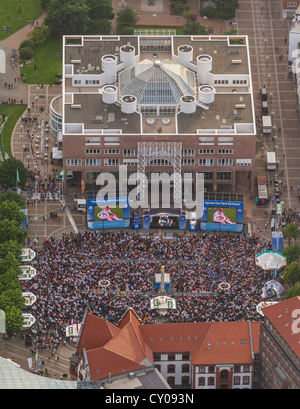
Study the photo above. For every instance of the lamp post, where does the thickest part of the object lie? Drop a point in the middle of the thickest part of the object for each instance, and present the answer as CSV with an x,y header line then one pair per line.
x,y
36,102
269,77
267,59
154,15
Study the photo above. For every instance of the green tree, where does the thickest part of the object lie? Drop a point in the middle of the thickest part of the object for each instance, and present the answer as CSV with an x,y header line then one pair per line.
x,y
293,292
100,26
10,230
100,9
14,319
8,173
26,53
13,197
292,252
39,35
292,274
11,298
127,18
194,29
11,211
67,17
9,280
10,246
290,232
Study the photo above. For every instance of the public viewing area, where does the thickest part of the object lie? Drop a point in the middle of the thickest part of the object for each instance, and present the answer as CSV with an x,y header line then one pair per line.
x,y
71,270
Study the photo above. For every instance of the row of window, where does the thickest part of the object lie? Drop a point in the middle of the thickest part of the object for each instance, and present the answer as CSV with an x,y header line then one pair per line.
x,y
191,152
133,152
210,381
159,162
226,82
87,82
207,175
126,152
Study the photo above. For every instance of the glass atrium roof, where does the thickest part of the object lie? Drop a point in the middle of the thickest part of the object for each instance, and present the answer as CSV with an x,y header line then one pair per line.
x,y
157,82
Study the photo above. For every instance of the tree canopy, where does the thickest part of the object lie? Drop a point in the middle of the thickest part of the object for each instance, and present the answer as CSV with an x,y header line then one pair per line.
x,y
127,19
291,274
10,170
78,16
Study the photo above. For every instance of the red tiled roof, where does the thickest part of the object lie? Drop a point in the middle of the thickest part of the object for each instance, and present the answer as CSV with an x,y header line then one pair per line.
x,y
96,333
228,342
285,317
102,362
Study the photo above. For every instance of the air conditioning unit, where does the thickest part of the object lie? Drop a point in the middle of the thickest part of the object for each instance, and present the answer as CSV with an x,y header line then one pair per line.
x,y
236,62
76,106
240,106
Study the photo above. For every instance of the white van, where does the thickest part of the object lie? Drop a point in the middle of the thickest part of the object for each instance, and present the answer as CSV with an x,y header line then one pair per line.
x,y
267,124
80,204
271,161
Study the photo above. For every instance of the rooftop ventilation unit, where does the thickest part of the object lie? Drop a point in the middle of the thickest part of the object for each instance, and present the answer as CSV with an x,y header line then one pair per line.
x,y
75,106
240,106
236,62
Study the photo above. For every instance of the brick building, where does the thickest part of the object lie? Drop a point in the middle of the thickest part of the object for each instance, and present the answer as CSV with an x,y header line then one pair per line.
x,y
123,95
280,345
203,355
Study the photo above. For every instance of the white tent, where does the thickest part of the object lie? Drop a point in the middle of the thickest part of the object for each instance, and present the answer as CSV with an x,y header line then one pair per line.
x,y
272,285
270,260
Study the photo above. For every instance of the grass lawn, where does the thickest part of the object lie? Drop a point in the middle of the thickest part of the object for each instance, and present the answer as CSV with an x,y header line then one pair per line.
x,y
15,111
9,15
48,60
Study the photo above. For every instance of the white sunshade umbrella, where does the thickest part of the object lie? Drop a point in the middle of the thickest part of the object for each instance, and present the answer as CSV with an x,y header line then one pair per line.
x,y
270,260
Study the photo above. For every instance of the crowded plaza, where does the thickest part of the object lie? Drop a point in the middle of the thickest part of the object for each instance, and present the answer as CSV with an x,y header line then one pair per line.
x,y
72,268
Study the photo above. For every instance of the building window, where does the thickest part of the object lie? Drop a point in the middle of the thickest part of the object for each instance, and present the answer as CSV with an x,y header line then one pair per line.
x,y
73,162
129,152
246,380
185,356
201,369
156,356
188,152
206,151
243,162
185,381
246,368
237,368
211,380
92,151
92,162
171,356
171,380
111,162
185,368
224,175
211,369
201,381
188,162
236,380
225,162
111,151
206,162
171,368
225,151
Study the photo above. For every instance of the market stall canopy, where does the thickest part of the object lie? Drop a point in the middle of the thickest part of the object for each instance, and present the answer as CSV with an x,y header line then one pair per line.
x,y
270,260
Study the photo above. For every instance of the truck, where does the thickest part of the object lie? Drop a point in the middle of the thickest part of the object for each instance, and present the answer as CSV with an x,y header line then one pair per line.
x,y
271,161
267,124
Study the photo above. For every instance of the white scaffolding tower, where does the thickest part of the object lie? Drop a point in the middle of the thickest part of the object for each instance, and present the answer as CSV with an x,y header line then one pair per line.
x,y
168,151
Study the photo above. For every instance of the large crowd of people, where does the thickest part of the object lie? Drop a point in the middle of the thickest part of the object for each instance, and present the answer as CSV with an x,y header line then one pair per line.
x,y
71,270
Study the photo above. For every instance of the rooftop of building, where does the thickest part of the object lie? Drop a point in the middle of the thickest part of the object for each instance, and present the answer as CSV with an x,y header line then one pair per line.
x,y
284,317
161,72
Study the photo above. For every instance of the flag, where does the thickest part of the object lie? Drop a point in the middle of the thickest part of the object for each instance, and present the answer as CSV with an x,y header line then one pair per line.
x,y
63,175
18,178
6,156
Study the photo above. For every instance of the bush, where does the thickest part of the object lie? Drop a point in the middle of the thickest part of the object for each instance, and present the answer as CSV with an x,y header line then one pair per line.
x,y
26,53
27,43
